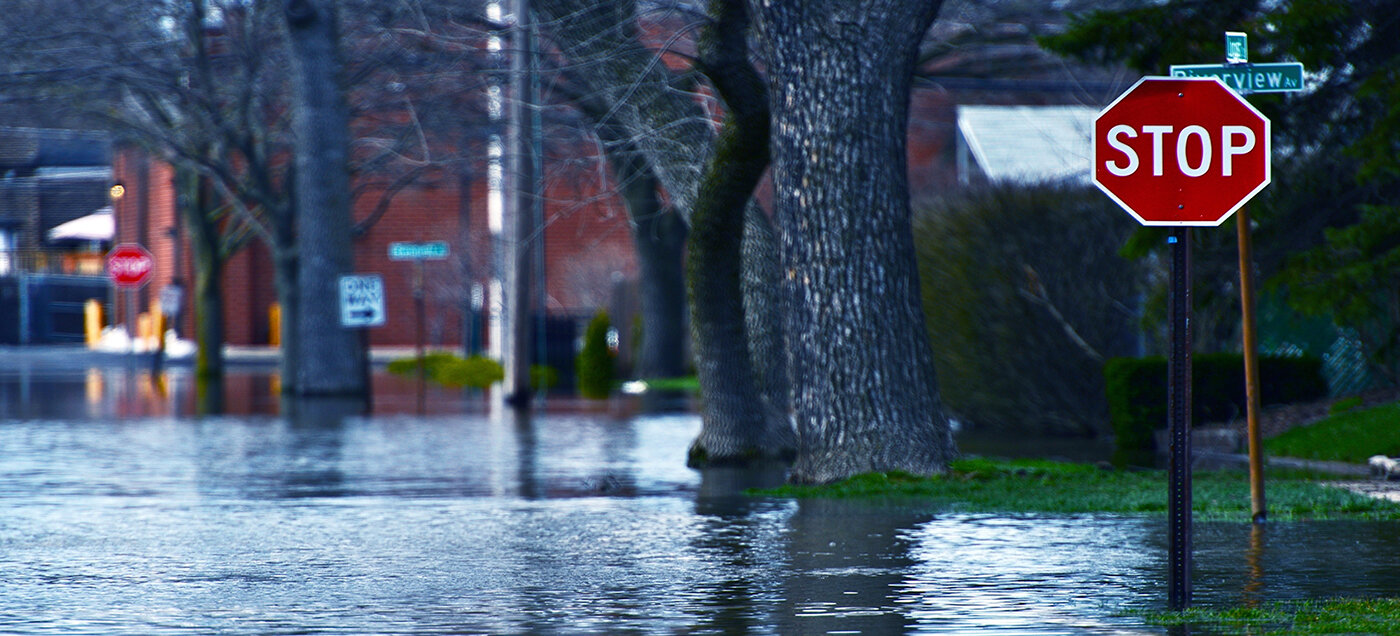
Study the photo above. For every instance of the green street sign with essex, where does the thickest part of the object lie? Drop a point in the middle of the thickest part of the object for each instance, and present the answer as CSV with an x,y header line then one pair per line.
x,y
431,251
1248,78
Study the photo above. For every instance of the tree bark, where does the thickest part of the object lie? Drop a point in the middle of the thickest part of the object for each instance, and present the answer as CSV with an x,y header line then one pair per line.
x,y
674,134
327,357
659,236
739,425
863,394
208,257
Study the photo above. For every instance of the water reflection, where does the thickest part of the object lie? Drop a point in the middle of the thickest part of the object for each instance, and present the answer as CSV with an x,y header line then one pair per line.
x,y
848,561
737,533
325,519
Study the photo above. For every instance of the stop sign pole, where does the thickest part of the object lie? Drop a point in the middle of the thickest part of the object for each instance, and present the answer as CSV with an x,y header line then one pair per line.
x,y
1181,153
129,266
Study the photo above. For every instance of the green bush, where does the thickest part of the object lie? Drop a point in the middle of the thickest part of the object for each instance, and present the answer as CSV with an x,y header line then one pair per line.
x,y
1136,390
476,372
1026,295
594,364
451,371
543,377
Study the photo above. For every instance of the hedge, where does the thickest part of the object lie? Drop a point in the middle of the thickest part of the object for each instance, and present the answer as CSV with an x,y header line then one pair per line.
x,y
1137,393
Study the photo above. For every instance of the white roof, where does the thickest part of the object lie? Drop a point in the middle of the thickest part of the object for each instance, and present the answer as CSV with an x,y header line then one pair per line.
x,y
1027,143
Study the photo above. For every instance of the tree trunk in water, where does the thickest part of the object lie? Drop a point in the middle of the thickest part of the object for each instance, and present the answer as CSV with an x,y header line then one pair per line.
x,y
284,277
863,392
673,132
328,357
208,258
208,293
763,319
739,425
659,236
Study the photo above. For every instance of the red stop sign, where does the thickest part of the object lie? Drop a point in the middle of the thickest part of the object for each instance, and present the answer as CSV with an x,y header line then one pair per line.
x,y
129,265
1181,151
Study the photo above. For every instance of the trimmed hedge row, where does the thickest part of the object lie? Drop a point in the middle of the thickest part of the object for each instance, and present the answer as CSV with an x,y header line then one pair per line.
x,y
1137,393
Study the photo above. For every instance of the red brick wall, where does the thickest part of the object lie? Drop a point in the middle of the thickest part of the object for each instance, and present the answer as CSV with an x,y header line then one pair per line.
x,y
586,241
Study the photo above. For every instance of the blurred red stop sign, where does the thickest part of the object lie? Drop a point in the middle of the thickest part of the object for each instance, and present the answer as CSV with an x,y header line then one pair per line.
x,y
129,265
1181,151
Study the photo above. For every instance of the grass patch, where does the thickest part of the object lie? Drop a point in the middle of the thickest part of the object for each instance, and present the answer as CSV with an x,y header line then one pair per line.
x,y
1350,436
1041,486
1329,616
684,383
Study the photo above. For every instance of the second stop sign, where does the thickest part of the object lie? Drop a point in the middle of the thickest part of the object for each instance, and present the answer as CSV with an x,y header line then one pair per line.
x,y
1181,151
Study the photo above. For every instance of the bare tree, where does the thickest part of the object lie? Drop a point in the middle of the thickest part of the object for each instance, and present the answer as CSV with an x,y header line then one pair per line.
x,y
189,85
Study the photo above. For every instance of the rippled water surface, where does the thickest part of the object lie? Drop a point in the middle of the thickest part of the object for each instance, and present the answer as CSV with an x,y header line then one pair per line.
x,y
570,522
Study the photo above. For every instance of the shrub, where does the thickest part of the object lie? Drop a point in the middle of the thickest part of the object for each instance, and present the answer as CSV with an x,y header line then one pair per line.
x,y
543,377
1136,390
594,363
1025,295
476,372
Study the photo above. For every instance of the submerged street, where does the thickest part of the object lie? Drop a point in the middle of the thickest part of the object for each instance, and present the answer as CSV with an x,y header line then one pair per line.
x,y
121,513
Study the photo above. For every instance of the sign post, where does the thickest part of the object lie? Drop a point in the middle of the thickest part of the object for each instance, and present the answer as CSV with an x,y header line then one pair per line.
x,y
1246,78
129,266
362,305
361,300
1183,153
419,252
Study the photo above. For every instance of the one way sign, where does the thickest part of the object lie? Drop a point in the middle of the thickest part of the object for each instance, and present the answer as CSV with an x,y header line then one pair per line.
x,y
361,300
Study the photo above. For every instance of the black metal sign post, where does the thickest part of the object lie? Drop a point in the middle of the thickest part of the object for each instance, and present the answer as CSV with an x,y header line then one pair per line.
x,y
1179,423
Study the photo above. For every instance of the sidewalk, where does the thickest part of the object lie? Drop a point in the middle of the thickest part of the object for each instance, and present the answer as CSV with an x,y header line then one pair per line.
x,y
77,356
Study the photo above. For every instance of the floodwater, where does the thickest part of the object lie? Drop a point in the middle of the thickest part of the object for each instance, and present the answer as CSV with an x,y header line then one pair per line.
x,y
122,514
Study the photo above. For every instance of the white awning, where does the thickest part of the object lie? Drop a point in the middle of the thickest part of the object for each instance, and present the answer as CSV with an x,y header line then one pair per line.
x,y
98,226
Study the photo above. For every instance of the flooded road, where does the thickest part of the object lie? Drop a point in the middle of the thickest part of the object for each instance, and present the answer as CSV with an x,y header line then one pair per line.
x,y
119,518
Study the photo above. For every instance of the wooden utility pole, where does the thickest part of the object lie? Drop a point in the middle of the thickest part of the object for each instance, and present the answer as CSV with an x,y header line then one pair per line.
x,y
1251,368
520,226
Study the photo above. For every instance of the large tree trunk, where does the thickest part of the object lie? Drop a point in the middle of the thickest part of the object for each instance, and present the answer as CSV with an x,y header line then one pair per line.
x,y
659,236
763,319
329,358
736,418
863,391
208,297
674,134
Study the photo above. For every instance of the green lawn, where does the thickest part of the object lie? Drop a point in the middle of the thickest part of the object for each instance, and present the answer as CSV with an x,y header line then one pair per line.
x,y
1020,486
1352,436
1331,616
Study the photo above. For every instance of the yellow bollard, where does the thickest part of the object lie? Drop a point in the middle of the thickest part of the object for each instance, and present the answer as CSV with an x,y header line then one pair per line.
x,y
143,328
157,318
92,322
274,332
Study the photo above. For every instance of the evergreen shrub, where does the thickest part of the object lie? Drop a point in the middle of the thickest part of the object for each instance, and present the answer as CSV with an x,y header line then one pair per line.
x,y
594,364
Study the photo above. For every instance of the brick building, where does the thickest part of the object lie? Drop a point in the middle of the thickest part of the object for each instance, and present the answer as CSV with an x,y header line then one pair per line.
x,y
587,247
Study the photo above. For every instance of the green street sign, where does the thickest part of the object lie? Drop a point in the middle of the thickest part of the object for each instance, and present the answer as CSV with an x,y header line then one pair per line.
x,y
430,251
1248,78
1236,47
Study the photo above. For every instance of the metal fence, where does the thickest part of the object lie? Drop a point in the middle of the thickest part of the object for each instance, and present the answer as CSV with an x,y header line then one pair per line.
x,y
73,263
